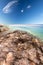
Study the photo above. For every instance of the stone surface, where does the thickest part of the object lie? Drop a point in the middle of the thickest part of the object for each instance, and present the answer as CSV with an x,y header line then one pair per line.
x,y
20,48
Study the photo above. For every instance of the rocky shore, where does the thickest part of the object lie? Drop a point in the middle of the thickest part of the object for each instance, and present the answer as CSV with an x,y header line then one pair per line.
x,y
20,48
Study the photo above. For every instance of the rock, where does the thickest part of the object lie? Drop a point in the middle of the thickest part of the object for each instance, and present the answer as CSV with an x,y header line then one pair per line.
x,y
5,63
20,48
10,57
22,61
32,63
41,58
3,28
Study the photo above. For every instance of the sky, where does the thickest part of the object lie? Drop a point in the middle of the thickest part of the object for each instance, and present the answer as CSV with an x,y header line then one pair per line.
x,y
21,11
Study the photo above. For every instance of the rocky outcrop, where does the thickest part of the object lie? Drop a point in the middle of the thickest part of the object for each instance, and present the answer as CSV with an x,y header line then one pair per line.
x,y
20,48
3,29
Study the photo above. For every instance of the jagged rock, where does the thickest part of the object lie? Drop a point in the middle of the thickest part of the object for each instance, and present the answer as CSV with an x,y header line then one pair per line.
x,y
22,61
3,28
20,48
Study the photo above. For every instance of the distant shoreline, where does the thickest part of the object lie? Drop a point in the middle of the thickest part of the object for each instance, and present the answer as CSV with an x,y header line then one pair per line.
x,y
22,24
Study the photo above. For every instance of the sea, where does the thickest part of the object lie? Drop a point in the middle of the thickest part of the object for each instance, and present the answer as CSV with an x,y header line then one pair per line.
x,y
36,30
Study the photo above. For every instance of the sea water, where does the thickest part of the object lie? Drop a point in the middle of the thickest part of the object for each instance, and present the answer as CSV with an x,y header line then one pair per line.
x,y
36,30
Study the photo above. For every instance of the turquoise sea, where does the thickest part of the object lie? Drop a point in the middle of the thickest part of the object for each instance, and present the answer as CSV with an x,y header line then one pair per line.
x,y
36,30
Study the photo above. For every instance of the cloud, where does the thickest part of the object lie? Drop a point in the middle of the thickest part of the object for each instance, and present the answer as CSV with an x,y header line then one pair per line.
x,y
6,9
29,6
22,11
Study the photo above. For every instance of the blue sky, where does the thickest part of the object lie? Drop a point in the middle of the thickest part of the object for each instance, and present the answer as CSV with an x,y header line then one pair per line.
x,y
21,11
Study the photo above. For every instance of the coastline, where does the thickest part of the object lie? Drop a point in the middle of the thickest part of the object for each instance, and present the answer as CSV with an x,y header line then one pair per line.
x,y
36,30
32,29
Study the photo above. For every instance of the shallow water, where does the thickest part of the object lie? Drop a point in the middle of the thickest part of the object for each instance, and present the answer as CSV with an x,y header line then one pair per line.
x,y
35,30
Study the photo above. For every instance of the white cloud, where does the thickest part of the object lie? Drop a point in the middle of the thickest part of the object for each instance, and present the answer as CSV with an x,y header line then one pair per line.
x,y
6,9
29,6
22,11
